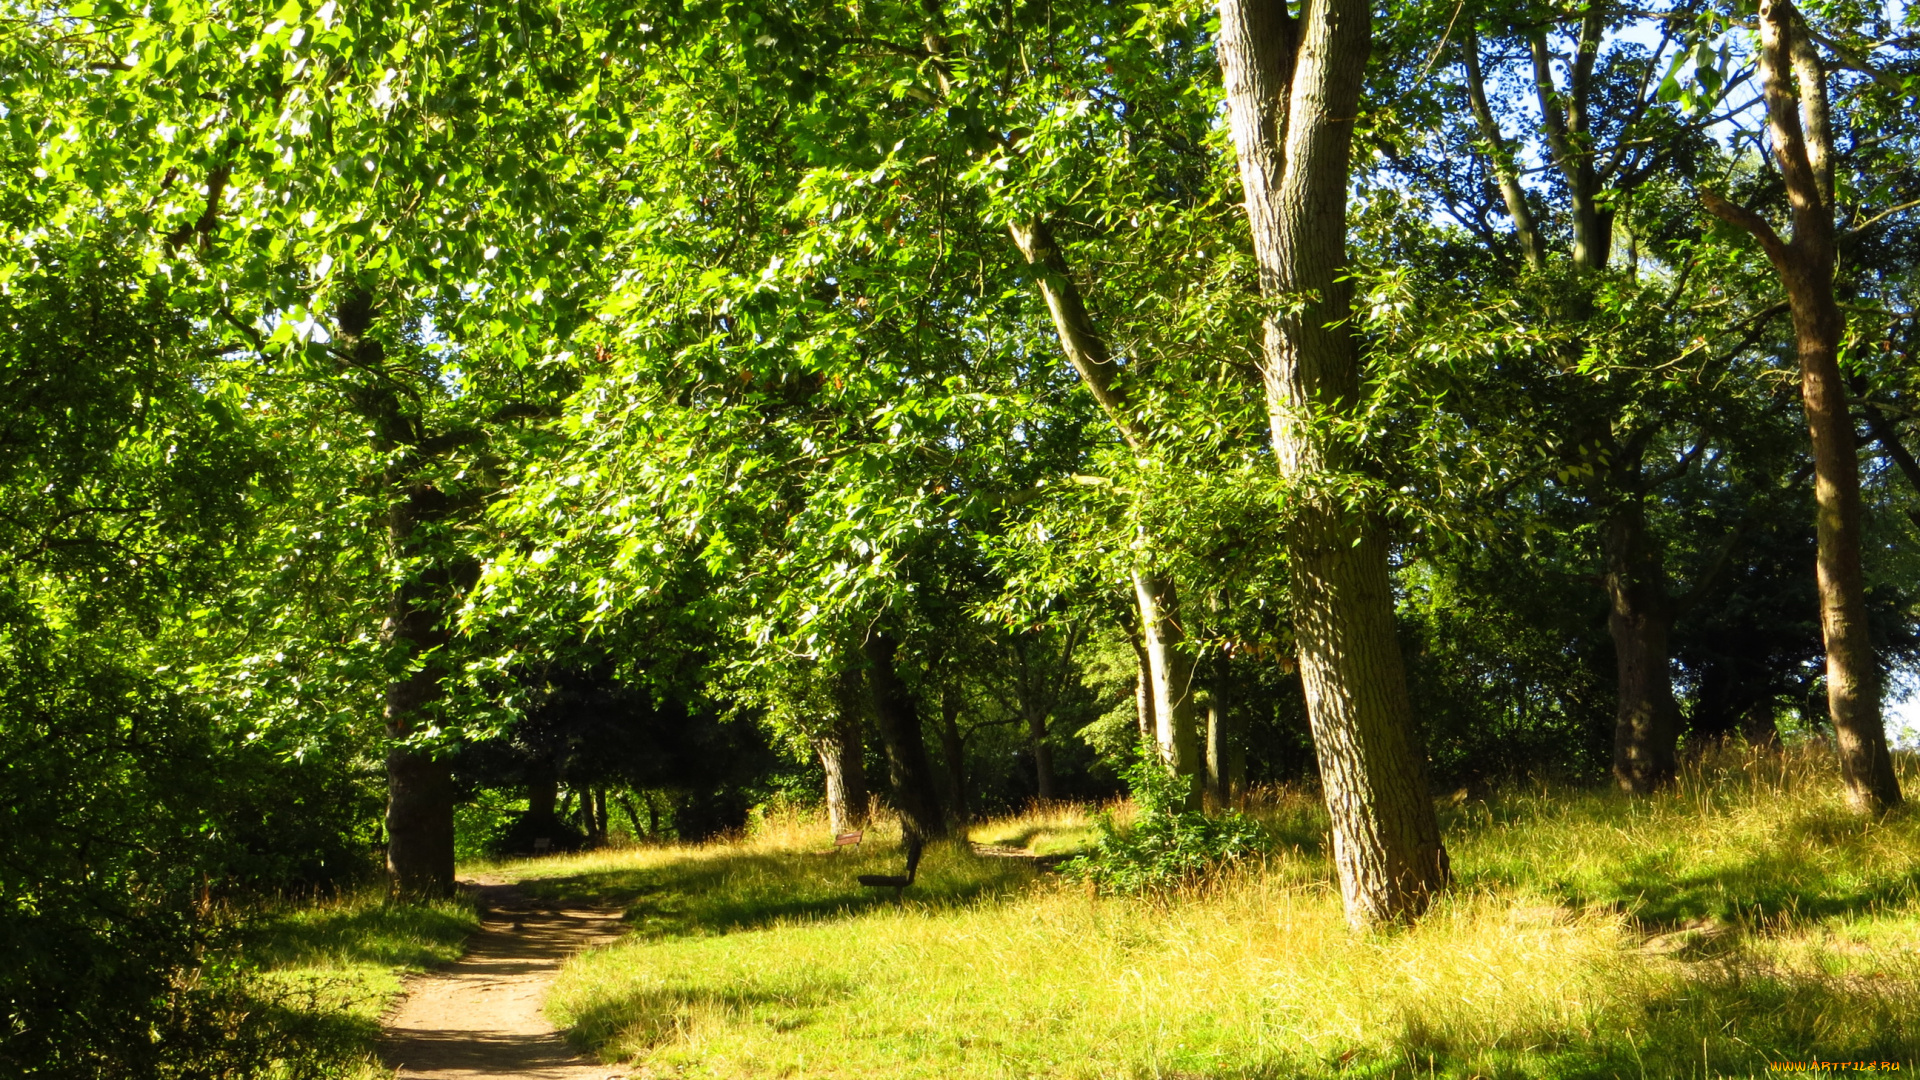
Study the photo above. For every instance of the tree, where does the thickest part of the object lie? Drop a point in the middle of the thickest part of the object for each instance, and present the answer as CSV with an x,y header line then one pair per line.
x,y
1794,83
1293,91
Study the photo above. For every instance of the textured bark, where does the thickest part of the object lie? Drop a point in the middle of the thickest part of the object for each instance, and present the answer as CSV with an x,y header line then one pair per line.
x,y
842,758
1796,96
916,791
1293,91
1640,618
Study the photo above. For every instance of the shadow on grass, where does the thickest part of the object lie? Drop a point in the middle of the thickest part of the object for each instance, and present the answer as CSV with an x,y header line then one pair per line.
x,y
718,892
644,1019
1709,1021
387,934
1814,867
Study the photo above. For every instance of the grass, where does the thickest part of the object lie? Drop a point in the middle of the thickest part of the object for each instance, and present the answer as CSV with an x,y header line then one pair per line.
x,y
1739,919
322,972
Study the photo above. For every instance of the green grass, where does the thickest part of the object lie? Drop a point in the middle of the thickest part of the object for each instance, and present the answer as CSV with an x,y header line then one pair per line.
x,y
1739,919
322,973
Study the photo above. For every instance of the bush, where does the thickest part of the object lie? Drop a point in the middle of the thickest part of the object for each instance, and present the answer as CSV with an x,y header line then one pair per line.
x,y
1165,847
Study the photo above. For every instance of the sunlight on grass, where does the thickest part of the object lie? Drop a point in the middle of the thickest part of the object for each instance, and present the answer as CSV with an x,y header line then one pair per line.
x,y
1738,919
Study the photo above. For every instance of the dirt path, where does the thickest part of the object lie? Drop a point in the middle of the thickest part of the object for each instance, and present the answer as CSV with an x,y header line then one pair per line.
x,y
481,1017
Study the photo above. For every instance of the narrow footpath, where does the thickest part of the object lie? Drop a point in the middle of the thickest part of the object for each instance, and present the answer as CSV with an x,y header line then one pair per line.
x,y
481,1017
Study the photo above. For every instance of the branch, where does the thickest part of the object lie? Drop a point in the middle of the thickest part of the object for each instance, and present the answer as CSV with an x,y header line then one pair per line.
x,y
1876,219
1746,219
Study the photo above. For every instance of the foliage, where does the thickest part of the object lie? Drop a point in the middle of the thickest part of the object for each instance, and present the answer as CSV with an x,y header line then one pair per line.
x,y
1164,847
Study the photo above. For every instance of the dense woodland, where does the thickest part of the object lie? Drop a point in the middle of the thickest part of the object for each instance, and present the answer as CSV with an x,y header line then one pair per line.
x,y
578,418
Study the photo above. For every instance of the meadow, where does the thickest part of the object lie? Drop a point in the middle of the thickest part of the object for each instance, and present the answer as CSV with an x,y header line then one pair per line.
x,y
1738,922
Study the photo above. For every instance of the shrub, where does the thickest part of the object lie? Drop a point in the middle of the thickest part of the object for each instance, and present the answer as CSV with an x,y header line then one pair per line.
x,y
1165,847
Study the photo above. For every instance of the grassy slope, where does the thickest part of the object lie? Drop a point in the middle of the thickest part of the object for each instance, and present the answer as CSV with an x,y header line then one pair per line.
x,y
328,969
1739,919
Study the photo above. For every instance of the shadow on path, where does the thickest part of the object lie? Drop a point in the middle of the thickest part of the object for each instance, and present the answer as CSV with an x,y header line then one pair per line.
x,y
481,1016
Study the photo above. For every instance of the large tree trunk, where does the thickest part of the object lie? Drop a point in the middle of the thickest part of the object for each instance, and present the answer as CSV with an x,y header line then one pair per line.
x,y
419,787
1797,120
1640,618
916,792
1293,91
843,758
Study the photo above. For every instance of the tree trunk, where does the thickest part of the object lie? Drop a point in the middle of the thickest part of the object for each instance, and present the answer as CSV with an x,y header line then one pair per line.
x,y
953,749
419,787
1142,689
1293,92
633,815
1226,739
915,791
1170,683
1170,670
1532,247
843,758
1802,137
1640,618
543,794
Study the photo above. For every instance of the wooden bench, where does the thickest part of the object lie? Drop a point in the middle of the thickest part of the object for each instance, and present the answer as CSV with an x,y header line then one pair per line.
x,y
847,839
897,882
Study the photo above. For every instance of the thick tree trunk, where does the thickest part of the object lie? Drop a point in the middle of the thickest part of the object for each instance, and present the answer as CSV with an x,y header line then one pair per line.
x,y
843,758
1640,618
915,790
1797,119
419,788
1293,92
1170,683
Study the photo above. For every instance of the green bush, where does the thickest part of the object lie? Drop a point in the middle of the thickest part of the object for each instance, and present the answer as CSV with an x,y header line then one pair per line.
x,y
1165,847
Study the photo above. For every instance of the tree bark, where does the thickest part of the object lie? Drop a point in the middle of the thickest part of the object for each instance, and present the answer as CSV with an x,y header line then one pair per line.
x,y
1293,91
1797,119
1640,619
915,790
843,758
1170,684
1569,136
1142,688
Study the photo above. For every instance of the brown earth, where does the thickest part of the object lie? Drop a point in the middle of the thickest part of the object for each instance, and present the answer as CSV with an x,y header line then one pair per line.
x,y
481,1017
